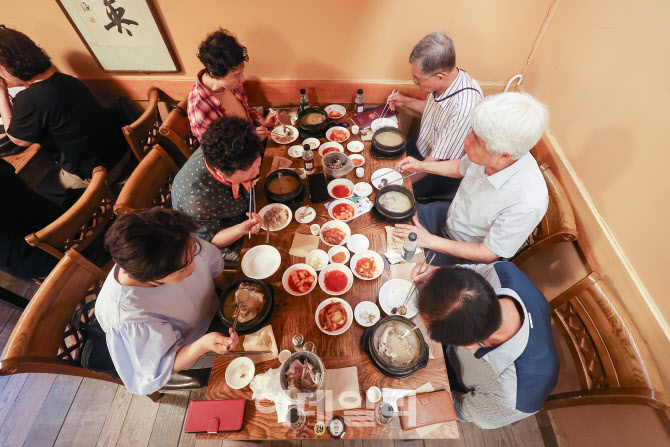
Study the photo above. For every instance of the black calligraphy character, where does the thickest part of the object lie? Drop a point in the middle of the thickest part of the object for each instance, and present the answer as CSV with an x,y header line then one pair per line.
x,y
115,16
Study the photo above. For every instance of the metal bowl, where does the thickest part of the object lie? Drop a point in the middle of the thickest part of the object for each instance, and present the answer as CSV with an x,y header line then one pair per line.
x,y
283,198
347,165
318,367
392,214
251,326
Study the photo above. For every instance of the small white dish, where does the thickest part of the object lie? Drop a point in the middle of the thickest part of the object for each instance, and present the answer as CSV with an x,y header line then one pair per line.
x,y
284,355
355,157
330,268
393,293
330,131
313,142
322,257
240,372
342,205
347,309
296,151
339,224
355,146
315,229
374,394
277,135
358,243
391,175
366,313
341,181
306,214
291,269
266,208
383,122
335,111
261,261
324,146
362,189
379,264
337,249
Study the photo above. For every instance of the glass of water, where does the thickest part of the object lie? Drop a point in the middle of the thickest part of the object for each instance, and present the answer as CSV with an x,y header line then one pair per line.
x,y
296,418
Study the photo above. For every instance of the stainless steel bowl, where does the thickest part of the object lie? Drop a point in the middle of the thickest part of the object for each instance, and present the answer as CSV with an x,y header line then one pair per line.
x,y
318,367
347,165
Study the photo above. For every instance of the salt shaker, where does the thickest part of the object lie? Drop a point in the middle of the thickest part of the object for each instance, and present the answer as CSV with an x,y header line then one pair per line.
x,y
298,342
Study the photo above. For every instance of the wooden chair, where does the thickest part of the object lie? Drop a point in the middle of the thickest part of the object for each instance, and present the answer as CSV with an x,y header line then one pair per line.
x,y
143,133
150,183
44,340
557,225
79,226
612,361
176,136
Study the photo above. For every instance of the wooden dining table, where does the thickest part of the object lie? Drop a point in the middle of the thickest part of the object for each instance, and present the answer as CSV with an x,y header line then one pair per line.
x,y
296,315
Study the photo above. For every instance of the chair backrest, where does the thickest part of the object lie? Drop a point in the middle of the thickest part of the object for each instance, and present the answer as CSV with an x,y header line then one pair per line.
x,y
606,347
143,133
149,185
82,223
43,340
558,223
176,136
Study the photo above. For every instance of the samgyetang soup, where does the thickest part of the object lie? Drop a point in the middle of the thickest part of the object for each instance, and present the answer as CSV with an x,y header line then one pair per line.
x,y
395,202
390,139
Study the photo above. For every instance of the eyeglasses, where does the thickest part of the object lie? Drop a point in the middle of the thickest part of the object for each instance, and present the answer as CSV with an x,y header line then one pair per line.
x,y
417,82
249,134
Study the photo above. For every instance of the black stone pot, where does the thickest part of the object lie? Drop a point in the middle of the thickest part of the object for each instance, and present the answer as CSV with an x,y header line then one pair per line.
x,y
391,215
260,320
388,151
283,198
313,128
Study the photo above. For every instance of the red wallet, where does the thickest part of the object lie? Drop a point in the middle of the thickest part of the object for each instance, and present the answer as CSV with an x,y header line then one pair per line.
x,y
212,416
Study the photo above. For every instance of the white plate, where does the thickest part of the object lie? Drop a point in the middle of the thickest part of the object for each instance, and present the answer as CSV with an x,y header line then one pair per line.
x,y
338,202
330,268
347,308
339,224
341,181
240,372
313,142
393,177
383,122
322,255
261,261
358,243
362,189
355,146
310,214
357,157
279,131
266,208
296,151
337,146
393,293
330,131
366,307
379,263
335,250
287,273
335,108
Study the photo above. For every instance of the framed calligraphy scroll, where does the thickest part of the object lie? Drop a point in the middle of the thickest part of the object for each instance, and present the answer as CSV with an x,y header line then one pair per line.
x,y
122,35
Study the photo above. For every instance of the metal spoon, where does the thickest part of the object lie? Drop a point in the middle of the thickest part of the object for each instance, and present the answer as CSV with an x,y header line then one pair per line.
x,y
412,330
402,310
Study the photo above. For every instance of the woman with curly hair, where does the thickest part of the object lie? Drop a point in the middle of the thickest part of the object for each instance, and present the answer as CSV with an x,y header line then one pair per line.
x,y
59,112
218,88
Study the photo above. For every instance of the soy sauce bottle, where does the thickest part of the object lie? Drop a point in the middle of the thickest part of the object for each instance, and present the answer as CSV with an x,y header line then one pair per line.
x,y
359,101
308,158
304,100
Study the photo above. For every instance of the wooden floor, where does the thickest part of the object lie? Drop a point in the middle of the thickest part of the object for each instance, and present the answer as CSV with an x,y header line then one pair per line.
x,y
52,410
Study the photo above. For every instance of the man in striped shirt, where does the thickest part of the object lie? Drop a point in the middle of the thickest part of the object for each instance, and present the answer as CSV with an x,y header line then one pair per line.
x,y
445,120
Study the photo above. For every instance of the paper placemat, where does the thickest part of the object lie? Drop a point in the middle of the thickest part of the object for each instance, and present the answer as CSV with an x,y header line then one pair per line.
x,y
280,162
303,244
402,271
393,243
262,340
343,382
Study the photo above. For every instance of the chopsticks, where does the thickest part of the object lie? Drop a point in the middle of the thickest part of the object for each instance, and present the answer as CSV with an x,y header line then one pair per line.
x,y
252,200
388,105
412,330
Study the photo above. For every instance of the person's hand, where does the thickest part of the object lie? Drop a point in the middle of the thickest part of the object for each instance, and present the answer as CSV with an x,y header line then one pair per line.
x,y
409,165
397,99
423,236
262,132
272,119
427,271
219,343
252,225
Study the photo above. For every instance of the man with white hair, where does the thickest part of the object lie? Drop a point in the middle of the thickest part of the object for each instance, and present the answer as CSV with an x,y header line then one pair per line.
x,y
503,195
445,119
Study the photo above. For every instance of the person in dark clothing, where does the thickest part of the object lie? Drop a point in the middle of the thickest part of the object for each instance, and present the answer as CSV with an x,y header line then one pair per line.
x,y
58,112
23,212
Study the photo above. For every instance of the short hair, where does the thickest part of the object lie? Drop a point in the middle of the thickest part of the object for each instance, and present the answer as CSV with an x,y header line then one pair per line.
x,y
510,123
231,144
20,56
220,52
434,53
459,306
151,244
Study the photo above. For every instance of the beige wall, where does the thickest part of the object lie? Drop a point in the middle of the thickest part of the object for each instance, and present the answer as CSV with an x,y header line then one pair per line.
x,y
343,40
